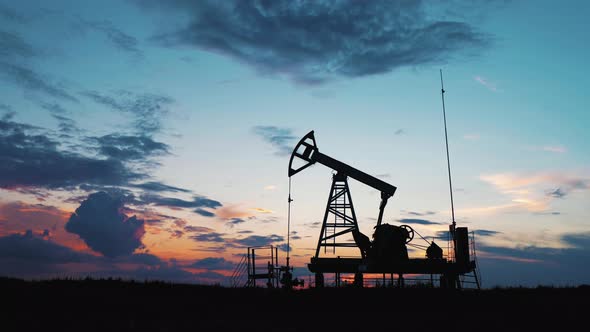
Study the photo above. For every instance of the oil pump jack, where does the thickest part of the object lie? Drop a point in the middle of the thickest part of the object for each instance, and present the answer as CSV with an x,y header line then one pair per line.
x,y
387,252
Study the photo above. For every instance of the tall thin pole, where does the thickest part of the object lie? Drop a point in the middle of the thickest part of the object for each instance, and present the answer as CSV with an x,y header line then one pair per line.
x,y
442,94
289,200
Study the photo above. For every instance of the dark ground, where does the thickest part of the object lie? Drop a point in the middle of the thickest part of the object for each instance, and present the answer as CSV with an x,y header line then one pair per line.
x,y
111,305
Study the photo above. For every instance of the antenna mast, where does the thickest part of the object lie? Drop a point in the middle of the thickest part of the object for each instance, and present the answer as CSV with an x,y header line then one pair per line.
x,y
442,94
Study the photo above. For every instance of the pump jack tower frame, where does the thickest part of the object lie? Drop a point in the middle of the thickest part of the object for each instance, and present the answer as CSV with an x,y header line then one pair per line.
x,y
341,208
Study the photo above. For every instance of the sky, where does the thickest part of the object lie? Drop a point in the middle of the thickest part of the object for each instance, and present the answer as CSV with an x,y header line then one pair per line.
x,y
151,139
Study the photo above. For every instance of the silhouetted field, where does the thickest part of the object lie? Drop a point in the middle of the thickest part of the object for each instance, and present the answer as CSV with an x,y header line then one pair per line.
x,y
114,305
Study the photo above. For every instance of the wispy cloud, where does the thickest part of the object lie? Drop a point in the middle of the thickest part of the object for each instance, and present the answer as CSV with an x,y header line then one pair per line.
x,y
530,191
147,109
471,137
30,80
262,210
485,82
116,36
554,148
281,139
413,221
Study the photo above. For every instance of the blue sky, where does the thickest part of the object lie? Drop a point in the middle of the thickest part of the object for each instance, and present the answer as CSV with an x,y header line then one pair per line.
x,y
184,114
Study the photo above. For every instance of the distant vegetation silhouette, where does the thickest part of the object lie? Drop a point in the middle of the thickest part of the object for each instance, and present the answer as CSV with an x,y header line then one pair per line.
x,y
115,304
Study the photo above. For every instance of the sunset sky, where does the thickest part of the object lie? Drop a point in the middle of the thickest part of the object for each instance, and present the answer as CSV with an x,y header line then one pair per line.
x,y
151,139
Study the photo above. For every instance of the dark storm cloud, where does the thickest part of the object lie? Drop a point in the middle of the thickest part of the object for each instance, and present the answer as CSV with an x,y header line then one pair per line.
x,y
126,147
213,263
30,80
418,221
533,266
120,39
30,255
13,46
101,224
257,240
281,139
314,41
146,108
197,202
30,248
204,213
29,159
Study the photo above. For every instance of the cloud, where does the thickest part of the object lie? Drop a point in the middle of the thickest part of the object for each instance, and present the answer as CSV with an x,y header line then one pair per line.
x,y
420,214
32,249
270,187
118,38
262,210
236,221
101,224
125,147
171,202
13,46
485,232
533,266
148,109
554,148
9,113
11,15
556,193
204,213
483,81
399,132
18,217
548,148
281,139
312,42
159,187
32,81
233,211
209,237
213,263
196,229
257,240
66,125
418,221
529,191
28,159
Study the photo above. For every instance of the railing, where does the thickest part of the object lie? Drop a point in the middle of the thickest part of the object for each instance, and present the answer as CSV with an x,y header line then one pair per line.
x,y
239,277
